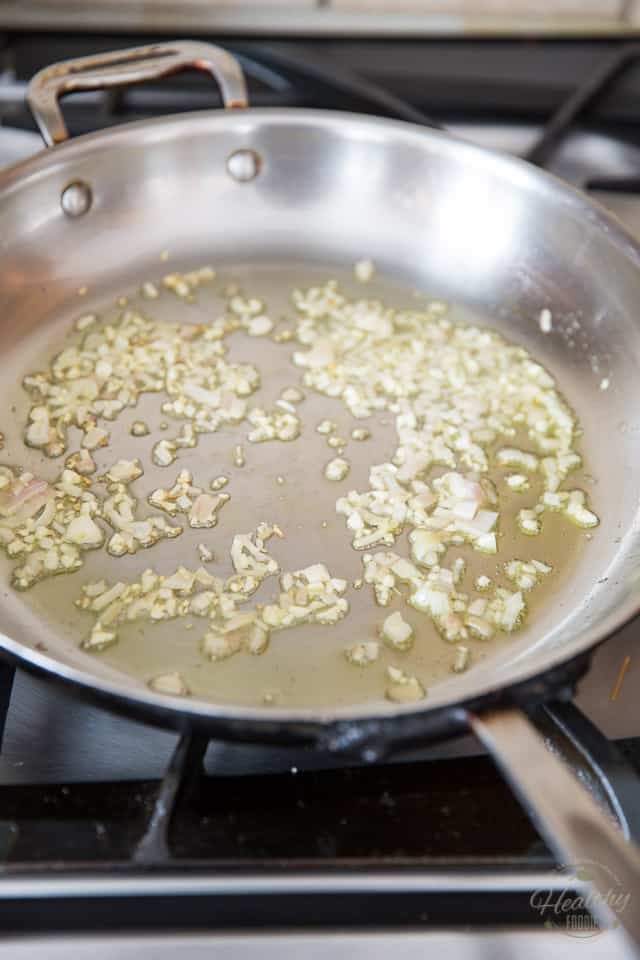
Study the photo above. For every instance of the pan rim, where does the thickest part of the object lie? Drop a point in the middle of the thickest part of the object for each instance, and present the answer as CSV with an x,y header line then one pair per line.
x,y
197,710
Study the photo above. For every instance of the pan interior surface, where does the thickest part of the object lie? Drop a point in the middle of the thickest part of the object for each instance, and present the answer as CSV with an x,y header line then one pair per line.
x,y
442,220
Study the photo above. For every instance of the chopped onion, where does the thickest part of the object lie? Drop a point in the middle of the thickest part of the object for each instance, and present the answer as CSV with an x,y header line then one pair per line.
x,y
204,553
337,469
124,471
326,427
526,574
259,326
402,688
84,532
510,457
577,512
170,683
364,270
272,426
204,510
139,429
529,522
483,582
218,645
379,571
397,632
311,595
81,462
99,638
362,654
292,395
462,657
23,497
95,437
85,321
164,453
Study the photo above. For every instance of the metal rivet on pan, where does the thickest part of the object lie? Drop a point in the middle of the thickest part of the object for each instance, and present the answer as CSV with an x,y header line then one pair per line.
x,y
76,199
244,165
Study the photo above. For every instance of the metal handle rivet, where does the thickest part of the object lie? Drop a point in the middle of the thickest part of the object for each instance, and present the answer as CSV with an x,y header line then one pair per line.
x,y
244,165
75,199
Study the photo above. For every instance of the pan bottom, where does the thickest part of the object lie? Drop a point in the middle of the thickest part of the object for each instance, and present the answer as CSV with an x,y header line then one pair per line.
x,y
280,483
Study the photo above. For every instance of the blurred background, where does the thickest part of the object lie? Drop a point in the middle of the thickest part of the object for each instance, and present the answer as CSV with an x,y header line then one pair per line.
x,y
335,17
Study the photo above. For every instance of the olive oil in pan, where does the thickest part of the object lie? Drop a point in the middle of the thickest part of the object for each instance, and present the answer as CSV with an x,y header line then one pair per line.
x,y
280,483
306,666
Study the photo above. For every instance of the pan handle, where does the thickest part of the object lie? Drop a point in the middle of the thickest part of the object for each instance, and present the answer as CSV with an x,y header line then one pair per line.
x,y
576,829
122,68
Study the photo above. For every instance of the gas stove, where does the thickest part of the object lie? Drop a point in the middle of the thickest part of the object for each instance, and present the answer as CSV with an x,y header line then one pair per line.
x,y
107,824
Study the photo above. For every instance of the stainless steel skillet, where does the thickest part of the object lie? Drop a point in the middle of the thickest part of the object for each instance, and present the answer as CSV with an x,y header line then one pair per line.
x,y
290,187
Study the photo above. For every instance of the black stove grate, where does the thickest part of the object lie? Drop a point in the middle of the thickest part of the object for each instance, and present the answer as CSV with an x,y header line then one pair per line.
x,y
576,107
406,812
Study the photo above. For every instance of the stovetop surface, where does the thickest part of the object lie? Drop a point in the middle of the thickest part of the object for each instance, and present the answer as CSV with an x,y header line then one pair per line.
x,y
79,784
405,945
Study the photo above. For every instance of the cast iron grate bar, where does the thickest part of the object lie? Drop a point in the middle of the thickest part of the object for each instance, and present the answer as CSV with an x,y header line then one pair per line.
x,y
186,762
132,911
338,82
7,674
614,184
217,808
600,764
577,103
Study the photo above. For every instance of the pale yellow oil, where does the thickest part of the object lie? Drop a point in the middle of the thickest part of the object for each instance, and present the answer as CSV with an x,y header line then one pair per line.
x,y
303,666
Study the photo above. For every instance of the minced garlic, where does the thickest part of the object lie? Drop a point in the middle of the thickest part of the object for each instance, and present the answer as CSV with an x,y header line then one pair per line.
x,y
517,481
337,469
364,270
397,632
363,653
115,363
311,595
170,683
461,660
85,321
326,427
204,553
139,429
402,688
82,462
526,574
219,482
463,401
132,533
272,426
292,395
149,291
124,471
187,498
47,527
